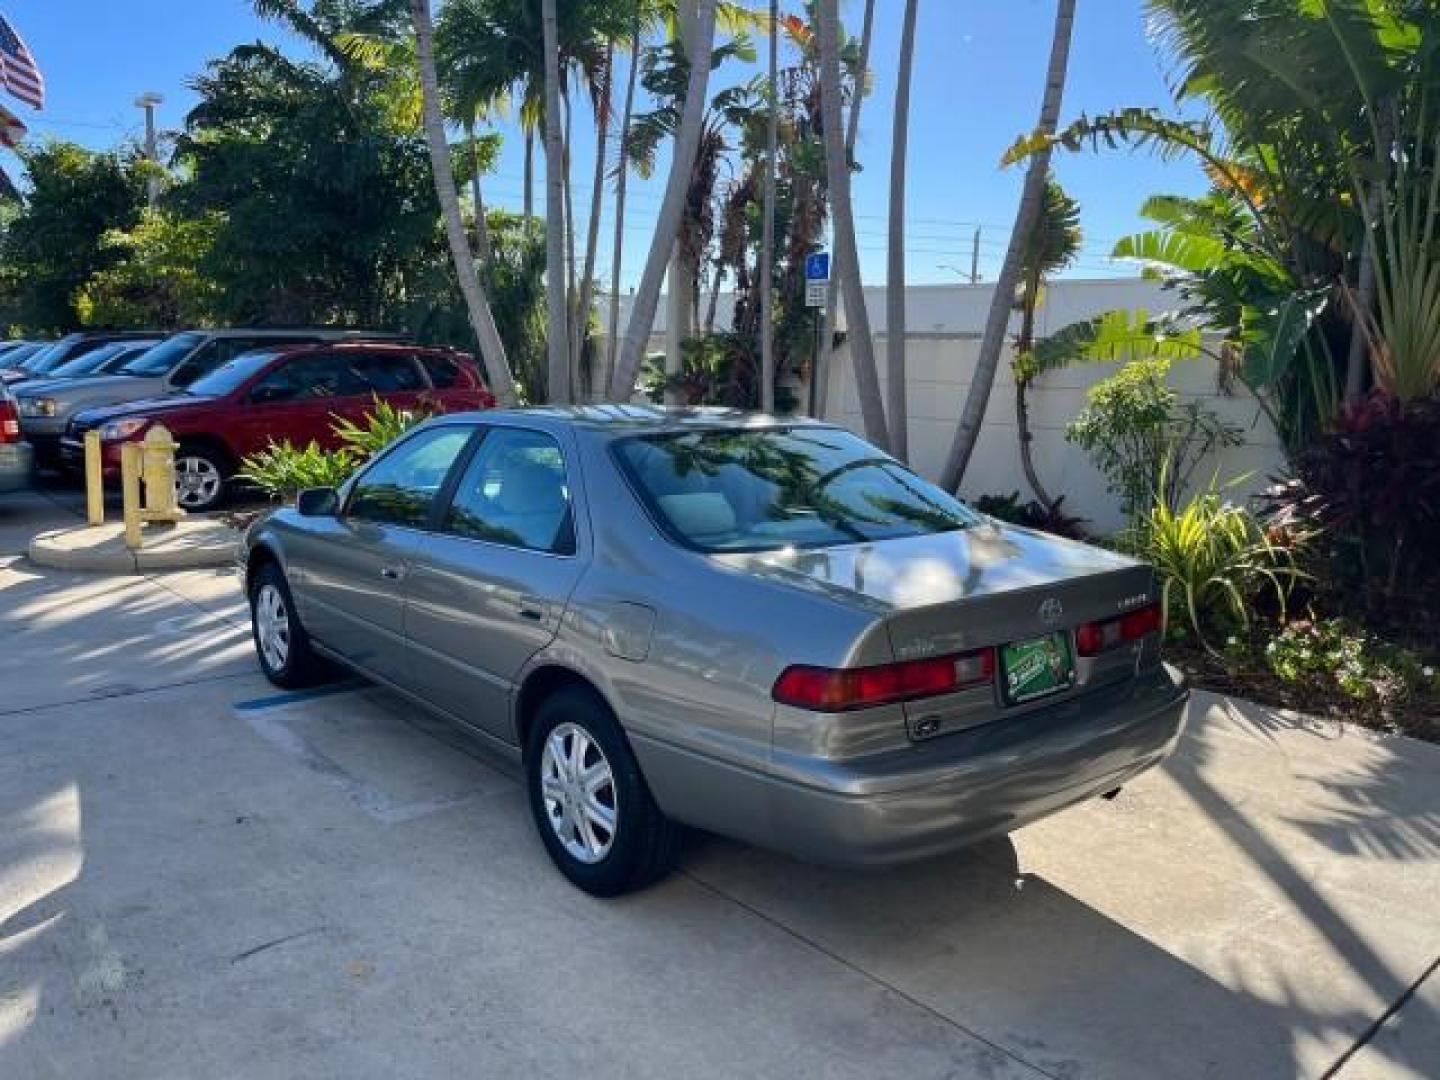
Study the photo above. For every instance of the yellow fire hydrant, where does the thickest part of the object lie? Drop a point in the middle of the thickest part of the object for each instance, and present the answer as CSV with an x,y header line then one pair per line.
x,y
151,463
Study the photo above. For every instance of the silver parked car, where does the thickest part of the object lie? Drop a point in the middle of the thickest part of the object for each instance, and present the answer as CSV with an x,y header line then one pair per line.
x,y
763,628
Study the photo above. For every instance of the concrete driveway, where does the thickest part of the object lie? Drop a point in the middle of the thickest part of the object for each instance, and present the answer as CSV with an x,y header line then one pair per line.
x,y
202,877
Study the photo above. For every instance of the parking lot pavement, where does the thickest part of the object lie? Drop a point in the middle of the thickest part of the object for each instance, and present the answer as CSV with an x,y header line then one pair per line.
x,y
200,876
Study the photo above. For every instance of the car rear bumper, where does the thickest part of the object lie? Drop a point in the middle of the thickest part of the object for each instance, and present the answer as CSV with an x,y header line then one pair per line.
x,y
17,463
929,799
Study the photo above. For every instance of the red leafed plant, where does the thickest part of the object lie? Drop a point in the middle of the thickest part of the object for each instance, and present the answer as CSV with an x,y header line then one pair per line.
x,y
1370,489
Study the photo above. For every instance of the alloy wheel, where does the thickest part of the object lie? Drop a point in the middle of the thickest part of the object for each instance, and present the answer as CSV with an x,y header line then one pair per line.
x,y
197,481
578,787
272,626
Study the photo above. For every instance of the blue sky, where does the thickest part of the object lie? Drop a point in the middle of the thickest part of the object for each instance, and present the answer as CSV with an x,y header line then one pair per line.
x,y
978,72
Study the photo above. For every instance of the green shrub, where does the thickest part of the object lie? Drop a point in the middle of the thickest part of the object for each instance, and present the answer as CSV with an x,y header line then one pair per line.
x,y
1337,653
282,471
1214,561
1145,440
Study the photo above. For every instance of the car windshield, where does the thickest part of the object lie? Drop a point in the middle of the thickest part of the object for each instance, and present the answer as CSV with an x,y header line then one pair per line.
x,y
160,360
98,359
762,490
232,375
50,357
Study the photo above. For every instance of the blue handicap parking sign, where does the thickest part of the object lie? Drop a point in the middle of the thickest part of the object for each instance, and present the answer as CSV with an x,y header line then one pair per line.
x,y
817,266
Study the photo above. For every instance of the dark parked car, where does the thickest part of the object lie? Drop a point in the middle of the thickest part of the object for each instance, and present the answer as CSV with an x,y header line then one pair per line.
x,y
16,459
43,361
763,628
292,393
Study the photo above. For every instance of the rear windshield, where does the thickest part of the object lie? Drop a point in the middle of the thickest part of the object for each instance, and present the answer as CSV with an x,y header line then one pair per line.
x,y
153,363
738,490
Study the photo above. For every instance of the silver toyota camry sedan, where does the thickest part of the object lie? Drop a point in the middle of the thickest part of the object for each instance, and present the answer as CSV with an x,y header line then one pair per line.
x,y
764,628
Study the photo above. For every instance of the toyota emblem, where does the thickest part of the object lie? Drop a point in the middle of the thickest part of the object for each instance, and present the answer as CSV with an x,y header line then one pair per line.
x,y
1051,611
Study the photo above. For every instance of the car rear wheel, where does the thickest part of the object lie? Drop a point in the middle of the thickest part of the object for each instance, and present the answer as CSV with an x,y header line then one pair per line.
x,y
281,644
591,805
199,479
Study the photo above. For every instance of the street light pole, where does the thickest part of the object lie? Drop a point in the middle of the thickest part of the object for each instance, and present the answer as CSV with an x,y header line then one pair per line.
x,y
148,101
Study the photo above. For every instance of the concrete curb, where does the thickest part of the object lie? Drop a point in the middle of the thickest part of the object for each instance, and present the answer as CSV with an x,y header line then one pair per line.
x,y
188,545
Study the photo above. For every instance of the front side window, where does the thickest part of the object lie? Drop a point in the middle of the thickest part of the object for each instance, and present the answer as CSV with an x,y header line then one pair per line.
x,y
401,487
306,378
762,490
515,492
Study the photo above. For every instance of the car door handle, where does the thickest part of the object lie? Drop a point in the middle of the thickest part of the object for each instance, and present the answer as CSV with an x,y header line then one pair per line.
x,y
392,573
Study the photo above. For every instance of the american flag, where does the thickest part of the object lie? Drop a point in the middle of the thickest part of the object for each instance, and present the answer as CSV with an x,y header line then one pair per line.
x,y
17,68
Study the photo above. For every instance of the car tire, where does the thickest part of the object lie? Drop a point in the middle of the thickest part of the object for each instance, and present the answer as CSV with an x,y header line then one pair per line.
x,y
202,476
281,644
640,844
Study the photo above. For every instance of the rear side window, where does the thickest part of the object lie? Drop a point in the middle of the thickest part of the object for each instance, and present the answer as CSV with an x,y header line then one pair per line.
x,y
385,373
515,492
445,371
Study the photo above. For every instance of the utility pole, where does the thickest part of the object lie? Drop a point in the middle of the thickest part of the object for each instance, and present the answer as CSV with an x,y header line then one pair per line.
x,y
975,258
148,101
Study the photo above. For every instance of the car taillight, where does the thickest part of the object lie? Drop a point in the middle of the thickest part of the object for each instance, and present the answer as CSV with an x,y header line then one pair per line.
x,y
840,689
1094,638
9,423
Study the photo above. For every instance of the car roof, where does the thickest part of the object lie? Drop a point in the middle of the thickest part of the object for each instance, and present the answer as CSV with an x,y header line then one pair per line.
x,y
323,333
613,418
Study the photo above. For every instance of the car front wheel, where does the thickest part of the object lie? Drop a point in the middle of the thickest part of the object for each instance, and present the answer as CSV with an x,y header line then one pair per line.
x,y
281,644
199,479
591,805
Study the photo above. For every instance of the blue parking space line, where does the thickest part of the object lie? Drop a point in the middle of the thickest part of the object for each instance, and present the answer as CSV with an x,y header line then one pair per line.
x,y
292,696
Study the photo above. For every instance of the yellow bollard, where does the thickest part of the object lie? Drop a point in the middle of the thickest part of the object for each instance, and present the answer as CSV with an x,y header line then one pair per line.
x,y
94,480
130,493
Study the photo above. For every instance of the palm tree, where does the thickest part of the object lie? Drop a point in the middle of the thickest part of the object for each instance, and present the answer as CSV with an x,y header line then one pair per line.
x,y
1031,203
852,132
672,207
492,349
895,278
597,206
862,345
767,240
612,333
1051,246
556,304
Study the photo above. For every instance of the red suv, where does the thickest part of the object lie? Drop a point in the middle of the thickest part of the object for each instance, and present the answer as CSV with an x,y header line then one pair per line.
x,y
271,395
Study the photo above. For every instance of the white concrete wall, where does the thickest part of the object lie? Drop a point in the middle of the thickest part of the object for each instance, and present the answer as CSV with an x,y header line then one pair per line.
x,y
939,368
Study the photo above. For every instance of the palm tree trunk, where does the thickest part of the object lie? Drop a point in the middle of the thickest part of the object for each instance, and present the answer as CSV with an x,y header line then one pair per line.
x,y
492,349
597,208
612,334
767,238
672,208
967,434
837,167
529,193
483,250
832,291
557,336
1024,345
572,296
680,295
896,406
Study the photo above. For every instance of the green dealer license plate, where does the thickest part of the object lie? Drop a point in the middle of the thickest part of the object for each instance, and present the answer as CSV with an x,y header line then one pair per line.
x,y
1037,667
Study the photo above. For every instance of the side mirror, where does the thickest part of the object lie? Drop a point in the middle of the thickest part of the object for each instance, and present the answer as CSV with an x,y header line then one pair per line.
x,y
318,502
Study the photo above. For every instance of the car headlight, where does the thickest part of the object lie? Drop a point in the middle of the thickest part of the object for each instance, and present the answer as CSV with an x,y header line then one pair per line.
x,y
43,406
116,430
